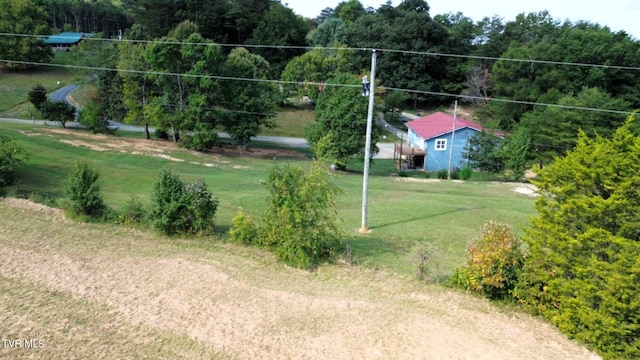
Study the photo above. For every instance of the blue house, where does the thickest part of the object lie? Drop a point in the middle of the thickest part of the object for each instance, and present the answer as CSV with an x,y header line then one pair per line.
x,y
435,135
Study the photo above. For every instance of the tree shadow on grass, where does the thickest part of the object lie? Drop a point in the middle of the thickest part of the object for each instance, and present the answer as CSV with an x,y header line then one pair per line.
x,y
456,210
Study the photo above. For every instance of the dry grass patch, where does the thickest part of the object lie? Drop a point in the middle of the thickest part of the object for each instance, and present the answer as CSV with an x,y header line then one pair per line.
x,y
71,327
223,299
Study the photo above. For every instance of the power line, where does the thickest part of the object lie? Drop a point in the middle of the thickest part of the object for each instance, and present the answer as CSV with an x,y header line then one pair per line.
x,y
231,78
381,50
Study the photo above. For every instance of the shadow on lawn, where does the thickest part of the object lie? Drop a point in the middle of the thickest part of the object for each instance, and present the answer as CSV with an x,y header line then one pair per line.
x,y
427,217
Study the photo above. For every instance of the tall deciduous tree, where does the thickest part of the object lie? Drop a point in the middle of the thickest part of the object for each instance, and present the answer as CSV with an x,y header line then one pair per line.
x,y
136,85
583,272
58,111
249,104
97,53
23,17
408,27
279,27
182,73
329,33
339,133
349,11
315,66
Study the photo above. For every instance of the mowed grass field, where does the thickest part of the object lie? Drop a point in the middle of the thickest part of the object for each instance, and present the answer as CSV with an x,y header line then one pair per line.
x,y
93,290
402,212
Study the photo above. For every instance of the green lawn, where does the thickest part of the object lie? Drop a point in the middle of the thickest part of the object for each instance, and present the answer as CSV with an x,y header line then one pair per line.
x,y
290,122
15,86
402,211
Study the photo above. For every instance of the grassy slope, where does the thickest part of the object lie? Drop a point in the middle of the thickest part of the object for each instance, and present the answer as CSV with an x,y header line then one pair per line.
x,y
15,86
401,212
104,291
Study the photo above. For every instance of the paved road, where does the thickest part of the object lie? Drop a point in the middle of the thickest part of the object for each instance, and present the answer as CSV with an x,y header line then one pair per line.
x,y
386,149
63,94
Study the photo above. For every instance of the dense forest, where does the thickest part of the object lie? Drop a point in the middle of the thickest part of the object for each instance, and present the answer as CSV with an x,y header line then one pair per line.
x,y
511,71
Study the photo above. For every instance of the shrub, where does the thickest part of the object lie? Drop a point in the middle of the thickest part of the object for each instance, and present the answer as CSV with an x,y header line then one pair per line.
x,y
10,158
166,207
300,225
91,118
179,208
162,134
133,212
455,174
243,229
466,172
402,174
428,269
442,174
203,138
493,262
200,208
83,189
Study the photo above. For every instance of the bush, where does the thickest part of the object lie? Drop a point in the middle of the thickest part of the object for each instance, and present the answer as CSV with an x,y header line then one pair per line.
x,y
428,269
455,174
466,172
179,208
402,174
243,229
493,262
203,138
300,225
162,134
10,158
200,208
90,118
83,189
133,212
442,174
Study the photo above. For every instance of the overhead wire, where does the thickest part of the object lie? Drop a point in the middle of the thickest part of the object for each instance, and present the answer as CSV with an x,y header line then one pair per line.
x,y
327,84
380,50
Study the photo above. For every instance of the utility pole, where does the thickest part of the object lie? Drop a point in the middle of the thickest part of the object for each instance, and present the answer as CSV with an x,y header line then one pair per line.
x,y
367,149
453,136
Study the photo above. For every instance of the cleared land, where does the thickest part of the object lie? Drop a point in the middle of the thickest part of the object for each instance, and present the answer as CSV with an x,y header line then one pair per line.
x,y
93,290
402,211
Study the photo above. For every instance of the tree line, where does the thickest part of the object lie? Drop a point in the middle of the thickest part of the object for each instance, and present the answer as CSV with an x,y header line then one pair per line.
x,y
435,57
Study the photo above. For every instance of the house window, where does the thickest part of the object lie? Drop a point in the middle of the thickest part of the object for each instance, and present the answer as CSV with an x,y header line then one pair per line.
x,y
441,144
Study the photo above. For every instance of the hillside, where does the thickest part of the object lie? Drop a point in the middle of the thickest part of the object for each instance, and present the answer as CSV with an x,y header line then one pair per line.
x,y
91,290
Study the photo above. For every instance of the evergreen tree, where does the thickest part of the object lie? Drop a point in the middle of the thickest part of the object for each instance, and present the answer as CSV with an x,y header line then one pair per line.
x,y
583,269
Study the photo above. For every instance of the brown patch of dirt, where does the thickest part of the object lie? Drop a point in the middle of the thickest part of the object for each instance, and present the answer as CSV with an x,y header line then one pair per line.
x,y
157,148
256,152
33,206
412,179
248,310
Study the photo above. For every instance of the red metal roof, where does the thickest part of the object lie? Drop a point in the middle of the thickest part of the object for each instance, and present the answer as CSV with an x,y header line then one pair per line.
x,y
438,124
